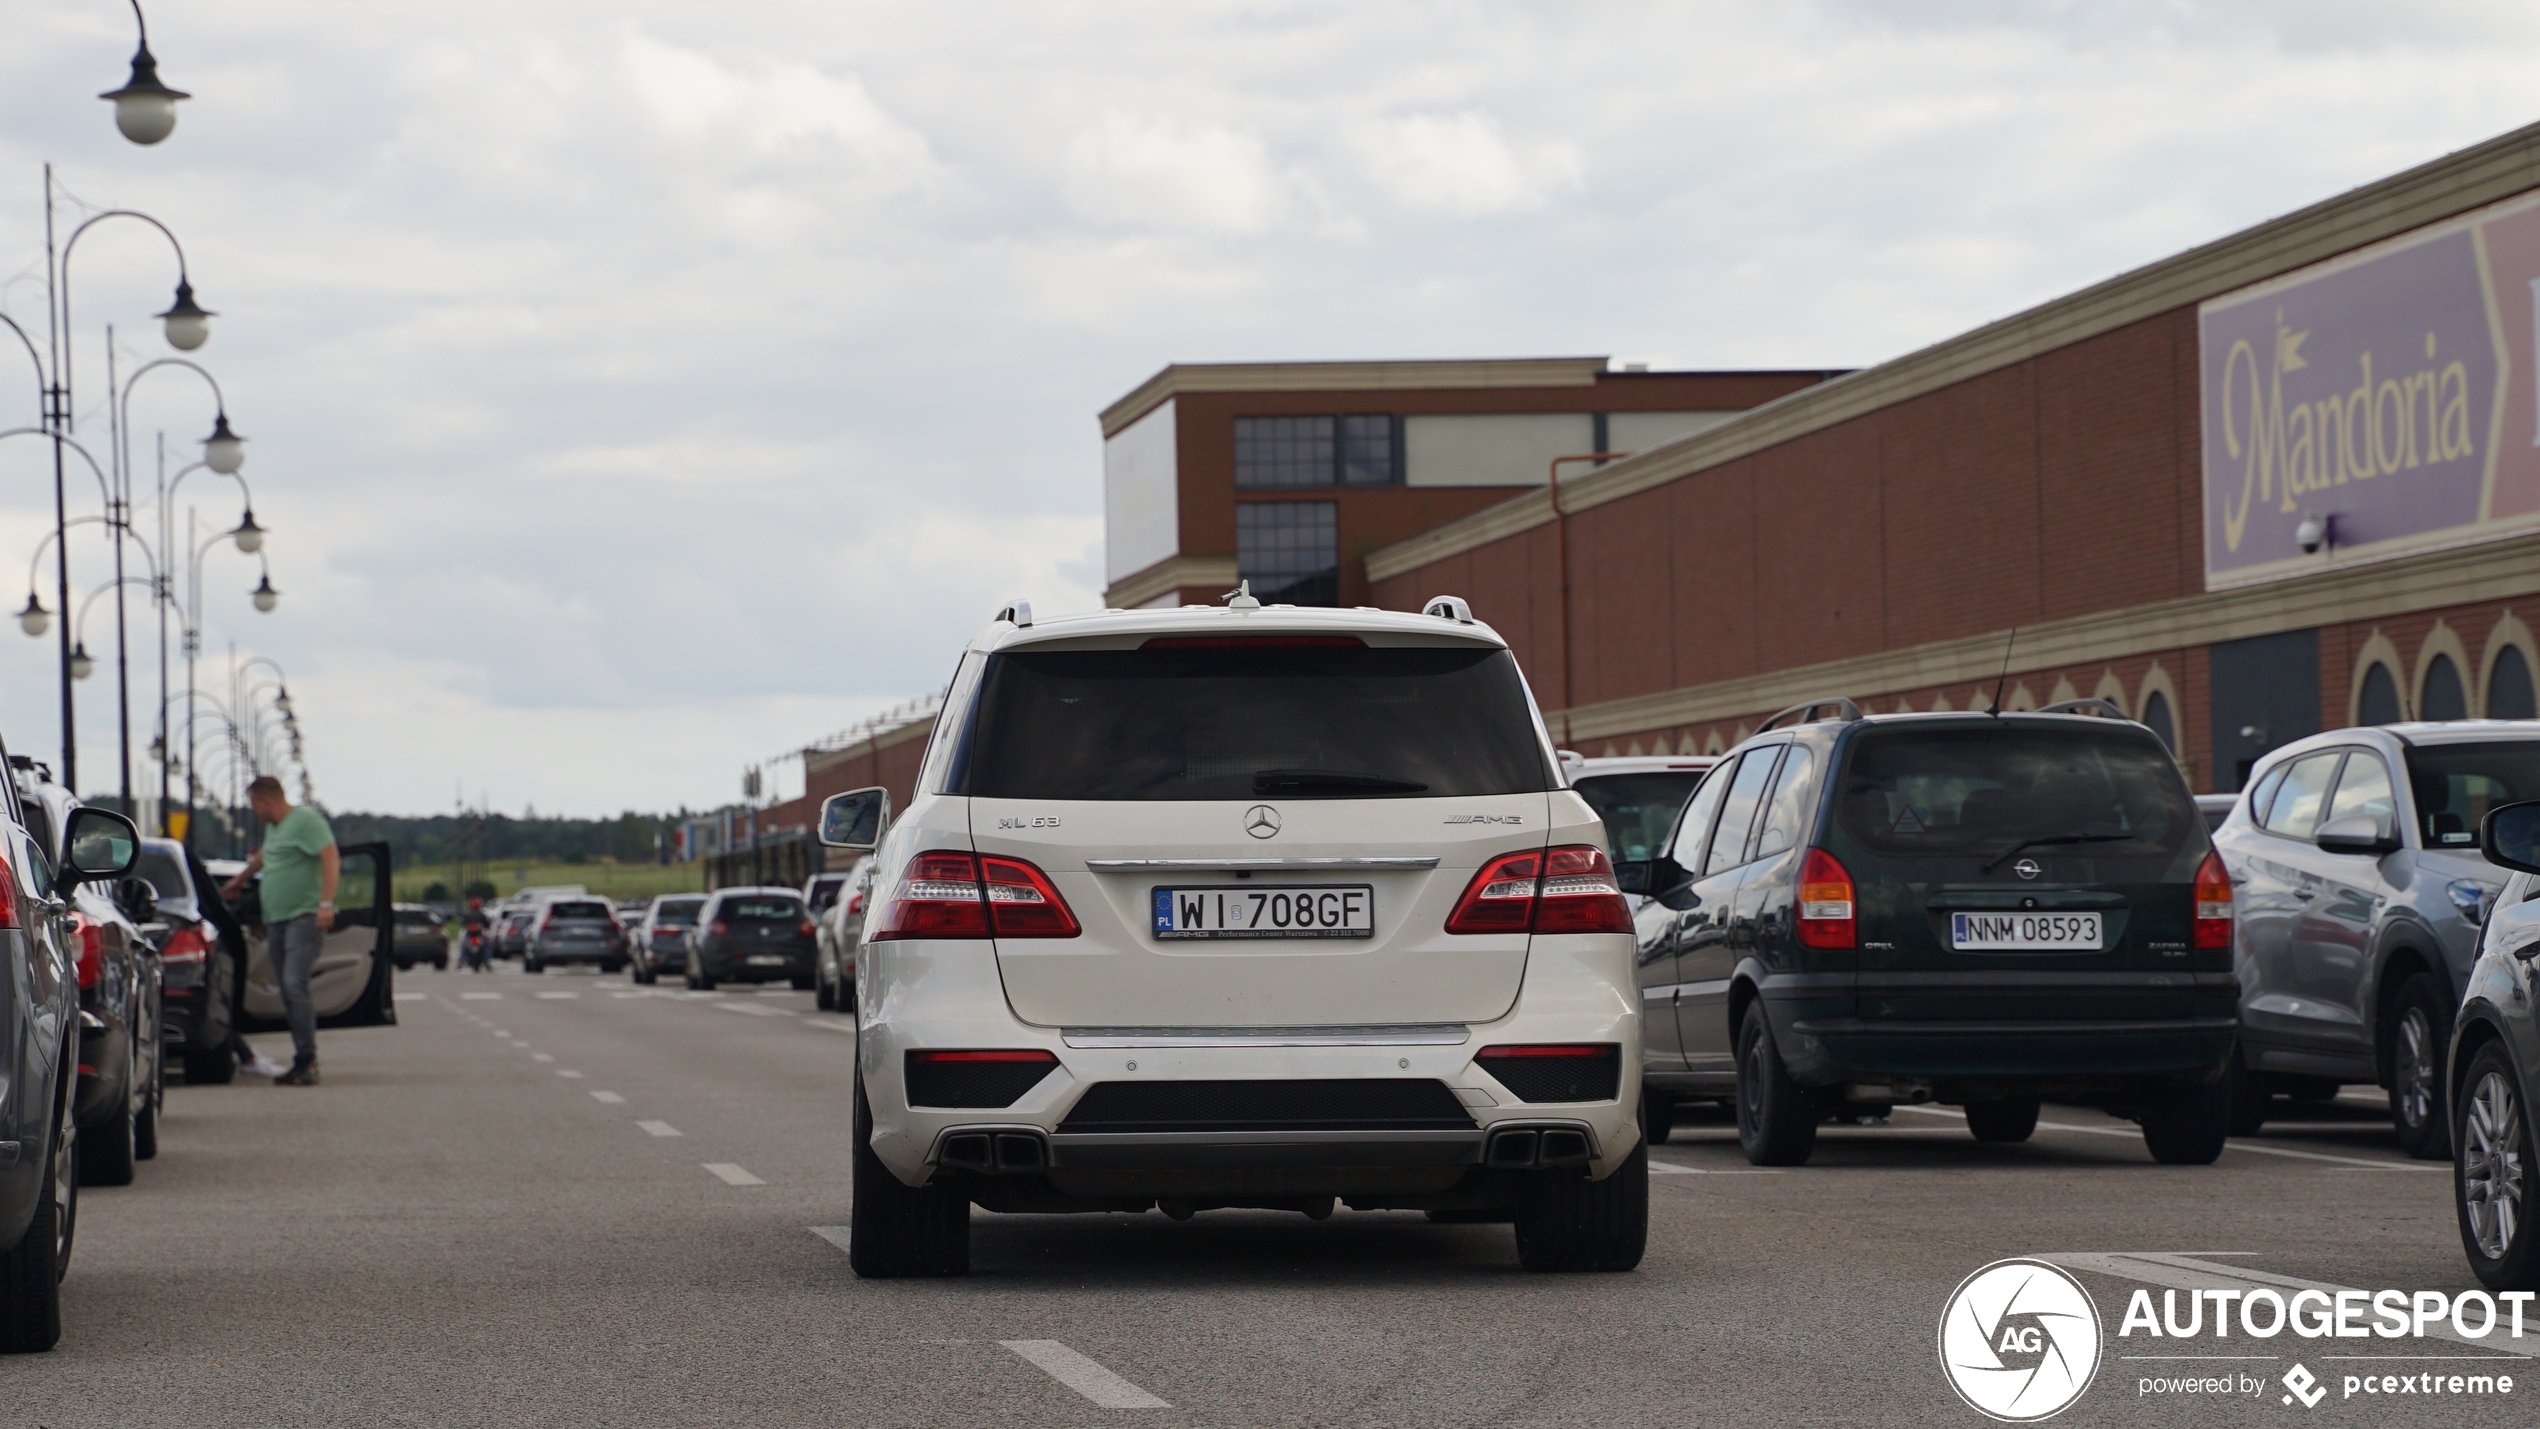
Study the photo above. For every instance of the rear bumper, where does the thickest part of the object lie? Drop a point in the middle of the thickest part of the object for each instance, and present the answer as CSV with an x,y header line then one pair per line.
x,y
735,966
2090,1027
580,953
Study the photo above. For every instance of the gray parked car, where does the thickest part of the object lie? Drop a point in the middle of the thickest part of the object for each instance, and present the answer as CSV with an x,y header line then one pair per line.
x,y
419,937
2494,1057
657,942
840,927
2355,866
751,935
574,930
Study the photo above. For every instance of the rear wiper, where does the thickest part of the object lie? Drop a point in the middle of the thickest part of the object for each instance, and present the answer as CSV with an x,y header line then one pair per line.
x,y
1298,781
2058,839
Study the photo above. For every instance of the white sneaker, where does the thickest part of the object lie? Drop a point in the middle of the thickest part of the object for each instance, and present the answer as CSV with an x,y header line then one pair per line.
x,y
262,1066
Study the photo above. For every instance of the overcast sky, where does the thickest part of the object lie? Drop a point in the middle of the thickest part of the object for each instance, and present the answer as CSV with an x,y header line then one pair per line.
x,y
637,390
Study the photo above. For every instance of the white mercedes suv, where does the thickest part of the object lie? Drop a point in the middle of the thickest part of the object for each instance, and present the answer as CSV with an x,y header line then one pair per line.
x,y
1242,906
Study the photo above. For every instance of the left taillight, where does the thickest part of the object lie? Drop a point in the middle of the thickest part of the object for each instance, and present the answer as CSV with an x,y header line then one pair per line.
x,y
1827,914
2213,903
92,950
807,928
947,893
187,946
1569,889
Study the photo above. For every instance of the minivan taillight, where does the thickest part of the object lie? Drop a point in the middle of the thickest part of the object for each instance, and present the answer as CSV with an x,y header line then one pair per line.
x,y
8,896
1569,889
92,950
187,946
1826,909
2213,903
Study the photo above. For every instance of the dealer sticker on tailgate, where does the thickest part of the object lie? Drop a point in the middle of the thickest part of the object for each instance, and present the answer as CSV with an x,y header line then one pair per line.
x,y
1346,910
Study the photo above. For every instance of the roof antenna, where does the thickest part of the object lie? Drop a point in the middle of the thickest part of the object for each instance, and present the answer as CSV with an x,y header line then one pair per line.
x,y
1995,709
1241,598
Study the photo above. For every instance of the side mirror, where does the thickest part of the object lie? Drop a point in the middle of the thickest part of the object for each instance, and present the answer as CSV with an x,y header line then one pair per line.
x,y
2355,833
855,820
1632,877
2510,836
98,843
138,900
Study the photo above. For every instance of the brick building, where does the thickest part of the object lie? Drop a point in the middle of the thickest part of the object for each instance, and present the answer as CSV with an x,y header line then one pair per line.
x,y
2165,484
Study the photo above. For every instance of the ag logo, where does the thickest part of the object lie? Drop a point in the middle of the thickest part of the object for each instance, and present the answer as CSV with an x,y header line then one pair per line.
x,y
2027,868
1261,821
2019,1341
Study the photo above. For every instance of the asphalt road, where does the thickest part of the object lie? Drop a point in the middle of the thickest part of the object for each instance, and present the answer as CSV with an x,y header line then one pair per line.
x,y
553,1200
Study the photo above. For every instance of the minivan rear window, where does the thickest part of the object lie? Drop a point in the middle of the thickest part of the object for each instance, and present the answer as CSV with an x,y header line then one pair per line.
x,y
2456,784
1639,810
1987,791
1247,722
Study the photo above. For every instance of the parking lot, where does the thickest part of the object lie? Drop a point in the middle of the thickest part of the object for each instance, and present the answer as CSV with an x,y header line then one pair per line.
x,y
569,1200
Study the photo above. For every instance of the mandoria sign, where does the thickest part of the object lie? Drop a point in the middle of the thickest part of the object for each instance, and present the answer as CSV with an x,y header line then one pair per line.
x,y
2391,393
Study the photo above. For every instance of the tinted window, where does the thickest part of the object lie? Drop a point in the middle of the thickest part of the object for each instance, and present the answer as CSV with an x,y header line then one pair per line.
x,y
824,891
678,913
2379,703
2156,718
1786,813
2456,784
2295,810
2443,698
2509,693
1989,790
1639,810
1249,722
165,875
578,910
1737,809
1696,824
2365,789
760,910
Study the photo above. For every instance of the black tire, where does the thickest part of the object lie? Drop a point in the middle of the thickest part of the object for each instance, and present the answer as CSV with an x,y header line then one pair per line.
x,y
703,981
441,963
2252,1098
31,1271
2492,1128
2187,1126
804,983
2420,1032
2010,1119
106,1152
532,965
1776,1118
824,995
1657,1116
213,1068
145,1127
895,1230
1566,1222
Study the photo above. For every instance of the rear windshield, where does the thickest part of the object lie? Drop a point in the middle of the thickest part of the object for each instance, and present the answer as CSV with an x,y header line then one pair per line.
x,y
578,910
1989,791
417,917
1250,721
824,891
166,876
760,910
2456,784
1639,810
678,914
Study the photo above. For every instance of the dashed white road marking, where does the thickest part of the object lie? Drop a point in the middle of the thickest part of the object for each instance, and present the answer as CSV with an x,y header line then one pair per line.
x,y
732,1175
412,996
610,1098
479,996
1083,1375
2235,1144
569,1074
838,1236
656,1128
542,1056
754,1010
558,996
1669,1168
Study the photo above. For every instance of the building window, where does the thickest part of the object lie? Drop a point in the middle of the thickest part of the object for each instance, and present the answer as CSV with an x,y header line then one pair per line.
x,y
2156,717
1289,550
1284,453
2380,702
2509,694
2442,698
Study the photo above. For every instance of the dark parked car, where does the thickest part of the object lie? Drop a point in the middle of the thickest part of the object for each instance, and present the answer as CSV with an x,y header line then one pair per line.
x,y
202,960
419,937
2355,863
122,1081
2494,1056
1981,910
511,932
39,1004
752,935
575,930
1637,797
658,942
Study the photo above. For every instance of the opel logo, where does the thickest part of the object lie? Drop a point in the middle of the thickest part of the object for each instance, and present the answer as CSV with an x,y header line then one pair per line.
x,y
2027,868
1261,821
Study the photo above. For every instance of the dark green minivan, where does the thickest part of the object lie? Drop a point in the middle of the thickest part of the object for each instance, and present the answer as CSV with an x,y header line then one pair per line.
x,y
1980,910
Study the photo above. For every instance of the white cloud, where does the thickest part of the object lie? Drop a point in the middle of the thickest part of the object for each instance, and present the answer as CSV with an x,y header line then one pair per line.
x,y
1149,173
1461,164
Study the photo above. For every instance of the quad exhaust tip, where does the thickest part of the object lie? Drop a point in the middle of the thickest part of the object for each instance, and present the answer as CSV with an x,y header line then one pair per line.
x,y
1537,1148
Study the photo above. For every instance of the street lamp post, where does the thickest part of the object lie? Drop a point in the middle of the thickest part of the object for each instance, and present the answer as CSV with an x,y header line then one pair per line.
x,y
145,109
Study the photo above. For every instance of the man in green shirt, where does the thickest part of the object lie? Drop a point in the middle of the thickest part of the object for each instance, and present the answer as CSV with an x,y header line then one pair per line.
x,y
300,867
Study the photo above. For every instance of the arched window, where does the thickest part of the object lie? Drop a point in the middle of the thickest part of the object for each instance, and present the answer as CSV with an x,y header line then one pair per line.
x,y
2156,717
2380,704
2442,697
2509,687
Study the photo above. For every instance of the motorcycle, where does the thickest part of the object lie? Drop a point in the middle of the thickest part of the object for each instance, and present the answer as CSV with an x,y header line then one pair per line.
x,y
472,951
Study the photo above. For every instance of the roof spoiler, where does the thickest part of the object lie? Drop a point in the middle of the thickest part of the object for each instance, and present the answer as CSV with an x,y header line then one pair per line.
x,y
1843,709
2105,709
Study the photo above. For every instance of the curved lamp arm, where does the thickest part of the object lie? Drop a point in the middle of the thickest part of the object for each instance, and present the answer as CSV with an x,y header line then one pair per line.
x,y
35,563
33,356
105,488
184,285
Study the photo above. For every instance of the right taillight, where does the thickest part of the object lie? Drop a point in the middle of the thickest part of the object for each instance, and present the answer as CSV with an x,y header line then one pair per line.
x,y
718,927
187,946
2213,903
8,896
1827,913
1021,901
1569,889
92,950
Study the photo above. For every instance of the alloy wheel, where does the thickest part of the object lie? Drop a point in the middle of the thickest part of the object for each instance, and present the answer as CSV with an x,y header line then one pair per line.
x,y
1750,1092
65,1186
2491,1165
2413,1068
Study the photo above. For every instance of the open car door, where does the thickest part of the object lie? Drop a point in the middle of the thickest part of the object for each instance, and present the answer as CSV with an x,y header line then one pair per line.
x,y
353,982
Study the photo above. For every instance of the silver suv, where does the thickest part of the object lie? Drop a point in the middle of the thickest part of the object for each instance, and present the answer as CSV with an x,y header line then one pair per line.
x,y
2355,867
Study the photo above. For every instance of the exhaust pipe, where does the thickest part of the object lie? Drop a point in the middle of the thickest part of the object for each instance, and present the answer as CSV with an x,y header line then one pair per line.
x,y
1537,1148
994,1153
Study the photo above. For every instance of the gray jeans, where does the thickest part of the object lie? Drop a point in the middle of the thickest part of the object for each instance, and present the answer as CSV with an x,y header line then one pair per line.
x,y
292,945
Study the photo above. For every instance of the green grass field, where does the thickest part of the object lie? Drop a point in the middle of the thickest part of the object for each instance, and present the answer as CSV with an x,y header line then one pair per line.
x,y
612,880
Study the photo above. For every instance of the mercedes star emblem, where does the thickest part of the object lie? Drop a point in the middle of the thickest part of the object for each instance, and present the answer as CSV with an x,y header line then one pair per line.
x,y
1261,821
2027,868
